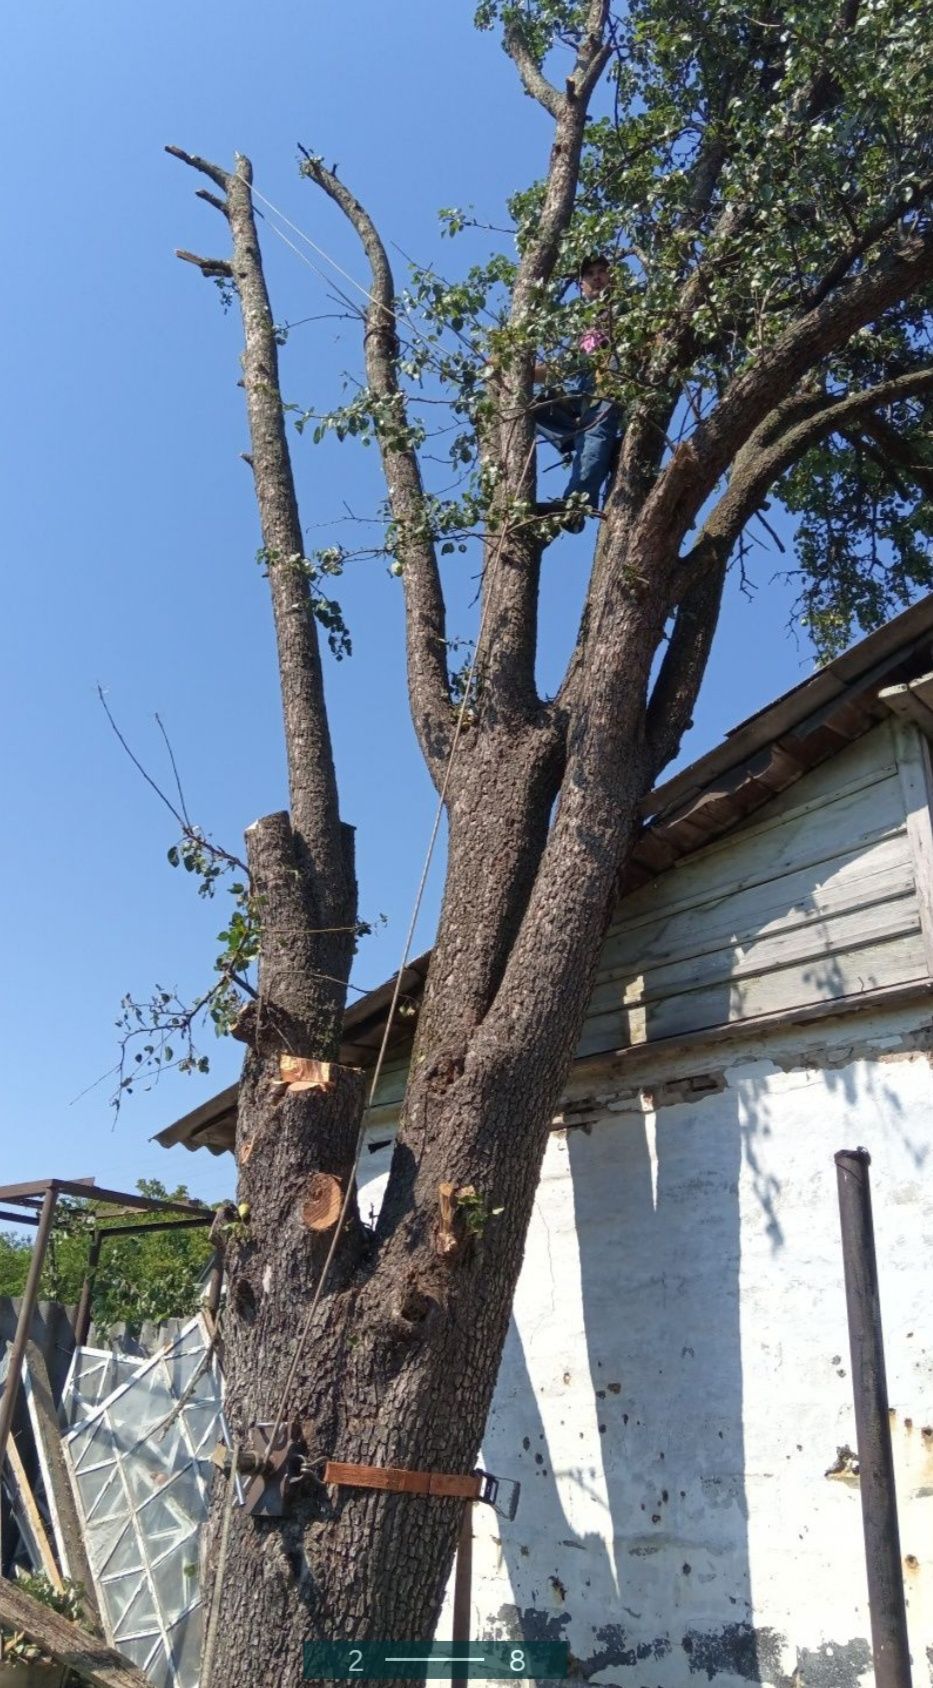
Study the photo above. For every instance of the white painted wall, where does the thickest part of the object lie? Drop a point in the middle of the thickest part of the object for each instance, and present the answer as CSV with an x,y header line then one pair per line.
x,y
676,1382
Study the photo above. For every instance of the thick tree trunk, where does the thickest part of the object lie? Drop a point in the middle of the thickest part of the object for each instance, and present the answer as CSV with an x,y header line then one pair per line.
x,y
401,1362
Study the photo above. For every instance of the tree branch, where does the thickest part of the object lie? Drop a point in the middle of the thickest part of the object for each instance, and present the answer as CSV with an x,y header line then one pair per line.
x,y
898,453
211,199
319,841
534,82
869,237
220,177
208,266
425,618
756,392
675,691
770,452
509,672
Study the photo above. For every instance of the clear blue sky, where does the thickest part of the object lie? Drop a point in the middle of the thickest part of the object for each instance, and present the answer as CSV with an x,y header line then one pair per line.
x,y
130,532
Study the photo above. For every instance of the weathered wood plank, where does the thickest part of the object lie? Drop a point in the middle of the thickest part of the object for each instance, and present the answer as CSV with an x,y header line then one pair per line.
x,y
846,974
47,1434
913,761
738,921
91,1660
796,945
27,1501
858,820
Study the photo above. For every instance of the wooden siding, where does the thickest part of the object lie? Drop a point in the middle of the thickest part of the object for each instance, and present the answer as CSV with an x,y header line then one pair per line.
x,y
814,900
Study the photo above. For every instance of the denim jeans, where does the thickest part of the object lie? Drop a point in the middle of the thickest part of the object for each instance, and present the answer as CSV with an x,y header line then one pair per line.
x,y
588,427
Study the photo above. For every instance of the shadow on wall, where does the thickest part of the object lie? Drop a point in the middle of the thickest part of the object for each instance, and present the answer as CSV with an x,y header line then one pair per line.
x,y
622,1406
630,1542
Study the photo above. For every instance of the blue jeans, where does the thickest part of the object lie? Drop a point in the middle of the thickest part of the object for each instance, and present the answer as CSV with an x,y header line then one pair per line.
x,y
586,426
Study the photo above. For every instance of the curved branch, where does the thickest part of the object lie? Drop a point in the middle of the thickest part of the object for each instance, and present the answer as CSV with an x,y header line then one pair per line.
x,y
424,599
751,397
770,452
534,81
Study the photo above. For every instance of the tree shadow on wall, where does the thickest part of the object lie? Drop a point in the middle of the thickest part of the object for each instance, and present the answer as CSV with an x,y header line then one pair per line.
x,y
630,1542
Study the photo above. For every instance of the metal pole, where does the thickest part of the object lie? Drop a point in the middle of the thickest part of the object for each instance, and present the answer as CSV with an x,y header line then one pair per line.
x,y
890,1644
24,1322
462,1591
83,1316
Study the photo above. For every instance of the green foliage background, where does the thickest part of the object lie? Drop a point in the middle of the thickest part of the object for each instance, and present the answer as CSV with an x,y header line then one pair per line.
x,y
152,1277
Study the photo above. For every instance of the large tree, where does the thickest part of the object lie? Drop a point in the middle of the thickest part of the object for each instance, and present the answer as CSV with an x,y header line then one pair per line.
x,y
761,179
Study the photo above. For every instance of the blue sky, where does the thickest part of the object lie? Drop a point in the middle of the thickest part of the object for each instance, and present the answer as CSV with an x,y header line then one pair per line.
x,y
130,532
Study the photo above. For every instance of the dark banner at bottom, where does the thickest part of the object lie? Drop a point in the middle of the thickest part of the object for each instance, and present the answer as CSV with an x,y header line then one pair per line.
x,y
422,1661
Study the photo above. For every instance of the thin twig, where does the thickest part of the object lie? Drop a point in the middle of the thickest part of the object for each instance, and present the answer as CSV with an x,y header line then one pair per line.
x,y
171,757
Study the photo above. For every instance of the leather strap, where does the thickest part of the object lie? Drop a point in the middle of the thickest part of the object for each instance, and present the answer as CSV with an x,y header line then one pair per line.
x,y
401,1482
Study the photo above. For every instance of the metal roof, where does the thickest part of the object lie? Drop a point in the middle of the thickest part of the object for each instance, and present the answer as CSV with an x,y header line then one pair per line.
x,y
760,757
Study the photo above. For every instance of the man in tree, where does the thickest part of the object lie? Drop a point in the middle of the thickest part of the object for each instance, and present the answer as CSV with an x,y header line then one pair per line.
x,y
580,420
771,176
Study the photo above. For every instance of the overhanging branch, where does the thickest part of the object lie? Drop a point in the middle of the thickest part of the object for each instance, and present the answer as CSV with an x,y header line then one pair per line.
x,y
772,450
752,396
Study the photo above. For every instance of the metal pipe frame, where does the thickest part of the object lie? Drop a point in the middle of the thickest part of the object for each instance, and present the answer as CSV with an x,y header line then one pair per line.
x,y
24,1322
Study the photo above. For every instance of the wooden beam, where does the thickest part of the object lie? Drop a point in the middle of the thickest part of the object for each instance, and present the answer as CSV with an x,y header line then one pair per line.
x,y
33,1515
66,1643
910,702
58,1491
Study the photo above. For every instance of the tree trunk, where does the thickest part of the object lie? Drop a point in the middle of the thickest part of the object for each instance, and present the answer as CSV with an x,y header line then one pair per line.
x,y
401,1362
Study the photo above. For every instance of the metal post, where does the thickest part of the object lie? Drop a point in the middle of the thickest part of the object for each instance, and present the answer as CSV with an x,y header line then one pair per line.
x,y
890,1644
83,1317
462,1591
24,1322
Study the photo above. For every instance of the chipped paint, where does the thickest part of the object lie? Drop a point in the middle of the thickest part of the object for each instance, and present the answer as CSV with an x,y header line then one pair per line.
x,y
674,1394
675,1387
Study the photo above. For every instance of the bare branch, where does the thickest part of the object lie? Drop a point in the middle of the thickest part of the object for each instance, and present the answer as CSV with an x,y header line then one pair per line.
x,y
208,266
220,177
424,600
211,199
320,841
534,82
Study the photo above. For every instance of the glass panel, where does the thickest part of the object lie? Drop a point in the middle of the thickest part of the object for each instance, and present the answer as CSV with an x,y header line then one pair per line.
x,y
144,1499
186,1645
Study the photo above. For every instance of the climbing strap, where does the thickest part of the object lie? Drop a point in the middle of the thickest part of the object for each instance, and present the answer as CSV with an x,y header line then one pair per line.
x,y
478,1485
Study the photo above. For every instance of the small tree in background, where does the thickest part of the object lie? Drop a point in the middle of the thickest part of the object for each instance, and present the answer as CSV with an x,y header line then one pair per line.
x,y
140,1279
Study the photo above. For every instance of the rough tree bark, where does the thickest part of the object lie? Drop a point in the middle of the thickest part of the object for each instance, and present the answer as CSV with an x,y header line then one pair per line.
x,y
400,1362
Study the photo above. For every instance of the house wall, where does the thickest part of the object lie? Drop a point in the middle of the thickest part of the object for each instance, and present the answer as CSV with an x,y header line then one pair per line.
x,y
676,1385
816,898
